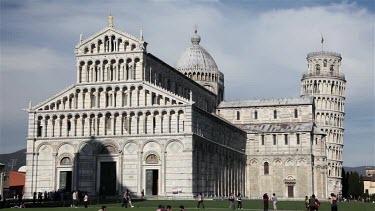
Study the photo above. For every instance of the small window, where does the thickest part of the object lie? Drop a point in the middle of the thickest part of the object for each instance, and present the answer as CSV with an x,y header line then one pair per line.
x,y
266,168
69,125
238,115
262,139
255,114
298,139
286,139
40,128
317,69
274,139
325,63
295,113
331,69
275,114
153,99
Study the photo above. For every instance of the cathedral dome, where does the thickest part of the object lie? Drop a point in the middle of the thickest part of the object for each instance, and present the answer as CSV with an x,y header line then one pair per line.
x,y
196,58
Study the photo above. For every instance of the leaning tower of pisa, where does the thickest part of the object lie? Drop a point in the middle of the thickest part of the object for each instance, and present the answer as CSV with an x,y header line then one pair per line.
x,y
325,82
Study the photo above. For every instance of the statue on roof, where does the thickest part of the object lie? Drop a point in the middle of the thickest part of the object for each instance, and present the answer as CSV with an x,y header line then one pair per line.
x,y
110,21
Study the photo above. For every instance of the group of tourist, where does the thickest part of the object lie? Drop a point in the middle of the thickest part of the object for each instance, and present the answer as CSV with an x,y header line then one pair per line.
x,y
231,198
266,199
313,204
75,197
169,208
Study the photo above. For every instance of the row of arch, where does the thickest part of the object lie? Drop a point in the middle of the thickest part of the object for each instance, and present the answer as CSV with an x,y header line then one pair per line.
x,y
109,70
334,152
334,136
334,169
330,119
203,76
109,43
329,87
111,123
109,97
330,103
104,146
266,164
317,64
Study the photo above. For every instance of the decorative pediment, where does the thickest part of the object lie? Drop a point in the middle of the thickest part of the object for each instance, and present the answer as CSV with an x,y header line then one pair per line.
x,y
110,40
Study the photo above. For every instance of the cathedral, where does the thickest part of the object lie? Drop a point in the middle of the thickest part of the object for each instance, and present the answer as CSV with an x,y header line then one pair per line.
x,y
132,121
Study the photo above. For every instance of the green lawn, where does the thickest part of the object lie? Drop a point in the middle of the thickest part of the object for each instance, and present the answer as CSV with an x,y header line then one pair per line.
x,y
220,205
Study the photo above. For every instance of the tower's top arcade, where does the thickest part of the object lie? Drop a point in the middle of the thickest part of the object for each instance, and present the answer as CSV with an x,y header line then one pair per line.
x,y
324,64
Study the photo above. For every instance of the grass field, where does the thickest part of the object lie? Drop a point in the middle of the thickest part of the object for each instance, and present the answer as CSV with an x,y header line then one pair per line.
x,y
219,205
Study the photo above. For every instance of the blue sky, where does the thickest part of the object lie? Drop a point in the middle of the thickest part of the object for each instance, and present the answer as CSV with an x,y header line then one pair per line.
x,y
260,46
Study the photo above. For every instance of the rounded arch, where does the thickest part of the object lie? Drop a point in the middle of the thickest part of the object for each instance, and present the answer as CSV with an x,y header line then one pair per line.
x,y
170,144
149,141
58,147
45,144
63,156
86,148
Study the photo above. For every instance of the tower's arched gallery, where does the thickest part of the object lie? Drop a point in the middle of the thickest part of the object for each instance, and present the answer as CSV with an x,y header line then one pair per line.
x,y
131,121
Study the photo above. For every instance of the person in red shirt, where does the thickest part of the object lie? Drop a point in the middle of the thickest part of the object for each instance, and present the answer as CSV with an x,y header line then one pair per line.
x,y
265,202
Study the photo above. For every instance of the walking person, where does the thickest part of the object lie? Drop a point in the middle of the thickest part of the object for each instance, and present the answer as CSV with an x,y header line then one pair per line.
x,y
333,202
239,201
231,201
312,203
74,196
265,202
125,199
130,199
274,202
307,203
200,200
86,200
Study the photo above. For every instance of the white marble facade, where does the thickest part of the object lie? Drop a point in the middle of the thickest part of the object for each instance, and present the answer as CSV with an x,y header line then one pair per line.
x,y
133,122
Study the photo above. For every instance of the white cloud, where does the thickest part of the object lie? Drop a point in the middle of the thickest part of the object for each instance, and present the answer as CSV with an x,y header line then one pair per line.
x,y
30,59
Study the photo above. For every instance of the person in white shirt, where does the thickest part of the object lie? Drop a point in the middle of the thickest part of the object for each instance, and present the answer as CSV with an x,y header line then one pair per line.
x,y
274,202
85,200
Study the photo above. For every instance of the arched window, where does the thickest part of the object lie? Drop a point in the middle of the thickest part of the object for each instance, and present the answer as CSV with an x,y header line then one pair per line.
x,y
66,161
317,69
262,139
152,159
286,139
274,114
295,113
274,139
266,168
255,114
325,63
331,69
298,138
238,115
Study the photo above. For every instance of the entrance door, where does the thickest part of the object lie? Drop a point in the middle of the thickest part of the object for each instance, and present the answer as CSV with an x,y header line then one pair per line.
x,y
107,178
290,191
65,183
152,182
